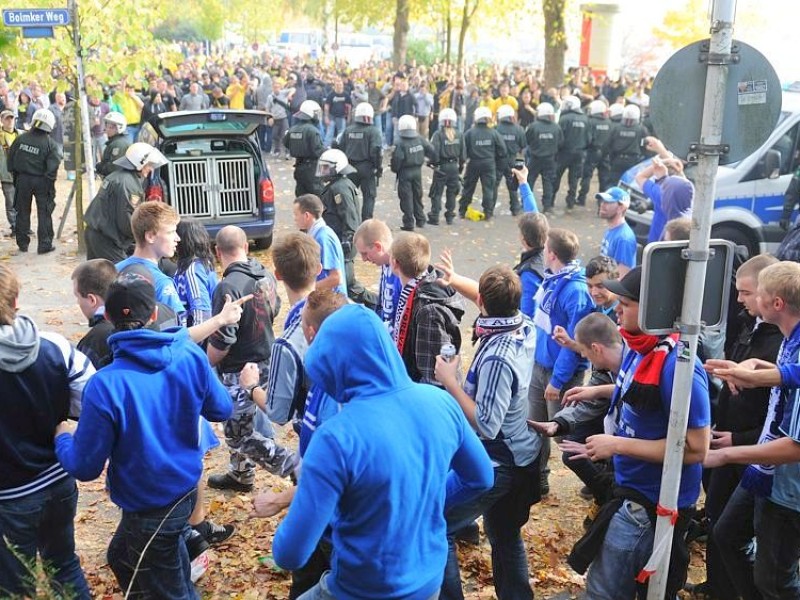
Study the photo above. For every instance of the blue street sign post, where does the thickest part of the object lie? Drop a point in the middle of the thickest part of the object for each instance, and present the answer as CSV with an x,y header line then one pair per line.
x,y
36,17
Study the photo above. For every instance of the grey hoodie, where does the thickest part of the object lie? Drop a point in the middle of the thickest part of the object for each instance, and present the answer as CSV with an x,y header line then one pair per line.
x,y
19,345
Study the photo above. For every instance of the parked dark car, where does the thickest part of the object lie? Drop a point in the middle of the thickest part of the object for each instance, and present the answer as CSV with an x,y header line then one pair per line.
x,y
216,172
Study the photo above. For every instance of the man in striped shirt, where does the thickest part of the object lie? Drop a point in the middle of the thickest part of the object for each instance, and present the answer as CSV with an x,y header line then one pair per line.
x,y
41,381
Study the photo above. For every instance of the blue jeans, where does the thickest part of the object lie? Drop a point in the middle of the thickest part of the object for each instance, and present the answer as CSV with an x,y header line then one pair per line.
x,y
165,569
777,552
503,517
321,591
335,126
41,522
626,549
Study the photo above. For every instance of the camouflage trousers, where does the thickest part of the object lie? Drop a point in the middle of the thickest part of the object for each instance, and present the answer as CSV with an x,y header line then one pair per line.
x,y
251,438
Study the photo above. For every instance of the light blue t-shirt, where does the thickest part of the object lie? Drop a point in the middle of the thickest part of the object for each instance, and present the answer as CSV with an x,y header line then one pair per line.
x,y
166,292
619,243
331,254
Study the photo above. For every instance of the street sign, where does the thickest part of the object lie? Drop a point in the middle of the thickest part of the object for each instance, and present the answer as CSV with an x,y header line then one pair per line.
x,y
35,17
37,32
752,99
663,283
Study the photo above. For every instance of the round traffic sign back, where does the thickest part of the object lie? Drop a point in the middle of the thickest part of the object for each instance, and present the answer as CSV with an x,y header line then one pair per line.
x,y
752,100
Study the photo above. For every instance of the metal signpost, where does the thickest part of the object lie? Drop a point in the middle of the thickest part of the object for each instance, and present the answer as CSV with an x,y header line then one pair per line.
x,y
733,120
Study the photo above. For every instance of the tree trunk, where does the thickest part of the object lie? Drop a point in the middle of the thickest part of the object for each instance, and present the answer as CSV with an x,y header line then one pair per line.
x,y
401,33
448,47
555,42
466,19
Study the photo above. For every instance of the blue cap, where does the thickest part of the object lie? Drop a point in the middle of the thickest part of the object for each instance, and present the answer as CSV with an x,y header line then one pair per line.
x,y
614,194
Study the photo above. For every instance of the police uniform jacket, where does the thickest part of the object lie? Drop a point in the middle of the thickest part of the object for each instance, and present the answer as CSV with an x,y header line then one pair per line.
x,y
342,207
484,143
600,132
303,141
575,127
544,138
411,153
110,211
449,150
625,140
34,153
115,148
514,137
361,143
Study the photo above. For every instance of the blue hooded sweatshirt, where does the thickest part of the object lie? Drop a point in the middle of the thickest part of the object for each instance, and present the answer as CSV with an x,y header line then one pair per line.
x,y
143,413
379,472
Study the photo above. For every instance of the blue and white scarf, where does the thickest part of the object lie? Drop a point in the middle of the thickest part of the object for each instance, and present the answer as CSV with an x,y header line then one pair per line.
x,y
548,293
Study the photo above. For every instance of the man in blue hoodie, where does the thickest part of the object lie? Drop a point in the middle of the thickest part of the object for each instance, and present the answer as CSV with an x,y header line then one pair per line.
x,y
563,299
141,413
383,495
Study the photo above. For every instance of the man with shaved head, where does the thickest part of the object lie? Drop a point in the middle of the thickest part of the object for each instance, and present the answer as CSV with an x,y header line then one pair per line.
x,y
231,348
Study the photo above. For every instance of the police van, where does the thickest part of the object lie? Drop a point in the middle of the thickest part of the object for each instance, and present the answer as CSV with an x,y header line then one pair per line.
x,y
749,193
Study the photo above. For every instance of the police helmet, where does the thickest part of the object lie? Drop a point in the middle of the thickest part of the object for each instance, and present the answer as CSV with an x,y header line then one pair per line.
x,y
333,162
407,126
483,114
139,155
545,112
631,114
505,113
448,117
597,107
364,113
43,119
571,103
118,119
309,111
615,110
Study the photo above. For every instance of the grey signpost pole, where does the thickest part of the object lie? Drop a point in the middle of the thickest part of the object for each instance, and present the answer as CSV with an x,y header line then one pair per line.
x,y
707,151
82,99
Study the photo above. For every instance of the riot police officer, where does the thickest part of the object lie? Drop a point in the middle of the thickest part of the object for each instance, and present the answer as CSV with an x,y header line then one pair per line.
x,y
625,143
514,137
408,157
118,142
485,149
575,127
342,213
361,142
599,132
544,138
33,161
108,218
448,143
304,143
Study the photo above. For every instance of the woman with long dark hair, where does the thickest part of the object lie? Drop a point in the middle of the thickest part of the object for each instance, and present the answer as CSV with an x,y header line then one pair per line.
x,y
195,277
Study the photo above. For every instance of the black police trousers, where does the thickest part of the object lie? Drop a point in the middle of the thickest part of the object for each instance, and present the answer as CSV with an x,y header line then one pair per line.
x,y
365,180
306,180
44,189
594,161
409,189
512,185
446,180
484,170
574,162
546,167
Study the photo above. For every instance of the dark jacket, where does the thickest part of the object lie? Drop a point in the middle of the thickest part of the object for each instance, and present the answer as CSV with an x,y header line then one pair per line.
x,y
251,339
544,138
115,148
342,207
34,153
744,413
435,318
110,211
